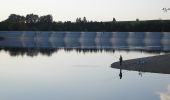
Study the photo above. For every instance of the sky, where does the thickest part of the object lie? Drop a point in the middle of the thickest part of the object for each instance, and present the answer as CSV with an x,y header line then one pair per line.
x,y
96,10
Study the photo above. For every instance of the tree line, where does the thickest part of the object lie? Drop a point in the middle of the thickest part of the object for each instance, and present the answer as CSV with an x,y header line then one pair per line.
x,y
33,22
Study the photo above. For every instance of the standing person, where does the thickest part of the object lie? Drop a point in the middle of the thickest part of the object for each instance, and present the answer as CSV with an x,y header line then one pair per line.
x,y
120,59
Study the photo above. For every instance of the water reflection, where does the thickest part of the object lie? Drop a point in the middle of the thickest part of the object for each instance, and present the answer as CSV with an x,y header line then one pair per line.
x,y
120,74
165,95
74,76
50,51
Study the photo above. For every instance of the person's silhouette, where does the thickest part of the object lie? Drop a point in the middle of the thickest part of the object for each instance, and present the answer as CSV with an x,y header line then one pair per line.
x,y
120,60
120,74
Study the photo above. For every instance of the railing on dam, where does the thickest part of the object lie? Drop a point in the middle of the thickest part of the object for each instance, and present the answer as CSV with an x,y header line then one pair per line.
x,y
114,40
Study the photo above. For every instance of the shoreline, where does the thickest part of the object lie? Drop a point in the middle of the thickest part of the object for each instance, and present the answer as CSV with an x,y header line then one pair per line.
x,y
154,64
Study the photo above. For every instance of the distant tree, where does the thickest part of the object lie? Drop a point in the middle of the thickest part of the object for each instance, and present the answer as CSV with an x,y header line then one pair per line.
x,y
78,20
14,22
46,19
114,20
13,18
137,20
32,19
84,20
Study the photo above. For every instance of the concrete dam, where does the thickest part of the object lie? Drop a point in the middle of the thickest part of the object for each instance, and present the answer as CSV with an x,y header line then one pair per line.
x,y
87,40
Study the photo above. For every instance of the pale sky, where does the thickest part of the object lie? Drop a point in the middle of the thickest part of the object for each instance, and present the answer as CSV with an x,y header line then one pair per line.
x,y
99,10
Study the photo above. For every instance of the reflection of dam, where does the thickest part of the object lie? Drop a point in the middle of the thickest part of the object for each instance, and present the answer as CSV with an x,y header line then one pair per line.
x,y
115,40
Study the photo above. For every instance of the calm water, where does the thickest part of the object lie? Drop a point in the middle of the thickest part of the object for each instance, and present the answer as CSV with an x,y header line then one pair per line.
x,y
76,74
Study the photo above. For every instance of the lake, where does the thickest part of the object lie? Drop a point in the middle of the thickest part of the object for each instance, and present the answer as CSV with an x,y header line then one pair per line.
x,y
77,66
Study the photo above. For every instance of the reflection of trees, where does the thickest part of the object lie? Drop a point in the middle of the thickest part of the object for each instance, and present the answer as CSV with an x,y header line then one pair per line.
x,y
49,51
28,51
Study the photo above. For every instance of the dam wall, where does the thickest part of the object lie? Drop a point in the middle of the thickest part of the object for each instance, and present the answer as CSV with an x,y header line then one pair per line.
x,y
114,40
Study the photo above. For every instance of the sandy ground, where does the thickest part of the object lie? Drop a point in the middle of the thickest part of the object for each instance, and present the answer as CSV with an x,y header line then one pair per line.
x,y
155,64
